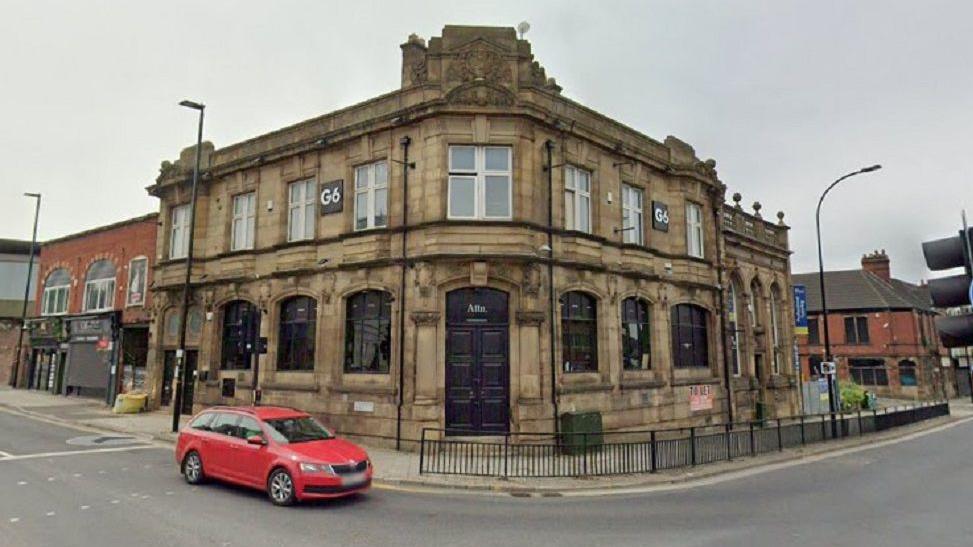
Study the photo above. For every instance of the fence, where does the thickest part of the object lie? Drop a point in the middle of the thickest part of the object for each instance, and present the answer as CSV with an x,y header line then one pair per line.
x,y
615,453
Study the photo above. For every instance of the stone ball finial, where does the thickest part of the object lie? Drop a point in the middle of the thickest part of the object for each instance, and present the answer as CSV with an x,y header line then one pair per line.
x,y
737,197
756,208
780,217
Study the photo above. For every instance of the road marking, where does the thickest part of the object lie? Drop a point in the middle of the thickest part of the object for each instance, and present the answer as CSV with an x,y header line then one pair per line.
x,y
85,507
101,472
168,492
50,479
50,513
15,519
76,475
5,454
77,453
21,483
114,501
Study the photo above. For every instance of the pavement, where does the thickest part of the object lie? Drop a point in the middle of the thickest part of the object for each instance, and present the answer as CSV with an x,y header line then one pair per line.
x,y
62,487
400,470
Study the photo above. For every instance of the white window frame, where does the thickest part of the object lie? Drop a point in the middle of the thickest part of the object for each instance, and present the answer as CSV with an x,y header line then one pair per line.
x,y
246,219
128,292
632,215
479,174
305,208
694,230
99,287
50,299
179,232
574,195
367,192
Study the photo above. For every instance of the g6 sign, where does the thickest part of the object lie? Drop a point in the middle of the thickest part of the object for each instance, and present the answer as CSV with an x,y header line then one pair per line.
x,y
660,216
332,197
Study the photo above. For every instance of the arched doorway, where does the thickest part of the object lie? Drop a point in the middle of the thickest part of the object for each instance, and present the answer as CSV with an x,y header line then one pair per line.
x,y
477,361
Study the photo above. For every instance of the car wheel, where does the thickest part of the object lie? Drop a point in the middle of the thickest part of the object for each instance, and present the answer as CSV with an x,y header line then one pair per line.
x,y
192,468
280,488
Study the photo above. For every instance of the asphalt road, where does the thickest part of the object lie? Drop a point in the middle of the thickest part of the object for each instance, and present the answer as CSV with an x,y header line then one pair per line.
x,y
915,492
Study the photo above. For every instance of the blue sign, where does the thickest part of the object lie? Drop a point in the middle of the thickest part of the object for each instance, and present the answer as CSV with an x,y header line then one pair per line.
x,y
971,292
800,309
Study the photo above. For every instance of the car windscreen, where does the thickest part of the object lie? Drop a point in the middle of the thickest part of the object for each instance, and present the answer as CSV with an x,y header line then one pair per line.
x,y
298,429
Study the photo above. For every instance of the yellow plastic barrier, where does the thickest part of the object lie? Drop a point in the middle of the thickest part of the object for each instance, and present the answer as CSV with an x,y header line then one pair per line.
x,y
129,403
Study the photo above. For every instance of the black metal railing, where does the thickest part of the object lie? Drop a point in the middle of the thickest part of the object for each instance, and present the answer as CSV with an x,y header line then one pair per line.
x,y
457,452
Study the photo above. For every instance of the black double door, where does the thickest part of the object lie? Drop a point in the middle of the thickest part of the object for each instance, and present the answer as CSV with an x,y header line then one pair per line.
x,y
477,361
168,375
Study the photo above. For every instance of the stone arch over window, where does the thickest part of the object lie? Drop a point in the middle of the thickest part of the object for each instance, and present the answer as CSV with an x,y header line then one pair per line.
x,y
368,332
99,286
579,332
636,334
57,288
241,330
298,328
690,336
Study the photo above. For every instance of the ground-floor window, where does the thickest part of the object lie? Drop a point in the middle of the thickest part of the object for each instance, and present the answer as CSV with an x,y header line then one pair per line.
x,y
579,329
298,321
868,372
690,340
368,332
907,373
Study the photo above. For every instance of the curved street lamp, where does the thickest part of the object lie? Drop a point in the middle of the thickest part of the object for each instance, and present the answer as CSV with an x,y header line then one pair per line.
x,y
824,300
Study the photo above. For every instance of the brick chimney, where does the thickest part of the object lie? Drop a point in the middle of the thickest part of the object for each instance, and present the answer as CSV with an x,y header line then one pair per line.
x,y
877,263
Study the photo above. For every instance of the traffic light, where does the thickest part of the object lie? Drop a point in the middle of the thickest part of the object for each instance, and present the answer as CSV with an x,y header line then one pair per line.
x,y
953,291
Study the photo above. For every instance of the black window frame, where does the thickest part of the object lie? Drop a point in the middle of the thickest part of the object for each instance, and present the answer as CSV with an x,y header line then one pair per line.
x,y
296,342
868,371
636,311
814,365
579,321
813,330
690,326
855,327
911,369
235,335
367,312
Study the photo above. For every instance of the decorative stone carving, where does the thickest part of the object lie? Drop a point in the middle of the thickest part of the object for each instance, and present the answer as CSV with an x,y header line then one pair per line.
x,y
481,95
706,168
263,300
530,317
532,280
425,278
479,63
419,72
425,317
327,287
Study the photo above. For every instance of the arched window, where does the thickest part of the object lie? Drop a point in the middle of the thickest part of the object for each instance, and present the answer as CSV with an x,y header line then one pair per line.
x,y
775,329
579,331
907,373
241,329
690,336
753,304
636,344
733,309
99,287
368,332
57,287
298,321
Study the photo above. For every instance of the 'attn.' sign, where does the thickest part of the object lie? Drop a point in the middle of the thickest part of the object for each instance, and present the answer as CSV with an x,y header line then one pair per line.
x,y
332,197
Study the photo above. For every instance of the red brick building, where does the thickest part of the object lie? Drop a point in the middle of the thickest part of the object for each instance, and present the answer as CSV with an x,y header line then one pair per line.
x,y
881,330
93,307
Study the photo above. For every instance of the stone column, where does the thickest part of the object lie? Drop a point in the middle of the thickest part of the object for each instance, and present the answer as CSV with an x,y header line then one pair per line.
x,y
426,323
529,323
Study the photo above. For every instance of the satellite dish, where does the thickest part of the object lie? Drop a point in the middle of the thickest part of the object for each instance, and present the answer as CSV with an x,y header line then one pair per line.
x,y
522,28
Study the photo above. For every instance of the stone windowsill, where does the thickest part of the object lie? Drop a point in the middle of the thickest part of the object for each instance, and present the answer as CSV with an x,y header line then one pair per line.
x,y
281,386
365,389
695,380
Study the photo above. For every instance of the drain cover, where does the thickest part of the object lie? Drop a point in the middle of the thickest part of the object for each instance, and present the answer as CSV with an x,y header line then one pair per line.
x,y
102,440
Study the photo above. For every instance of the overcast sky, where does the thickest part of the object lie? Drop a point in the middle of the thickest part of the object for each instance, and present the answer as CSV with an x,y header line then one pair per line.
x,y
786,96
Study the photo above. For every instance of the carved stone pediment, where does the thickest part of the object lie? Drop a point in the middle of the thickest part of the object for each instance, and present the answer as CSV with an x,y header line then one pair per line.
x,y
481,94
479,62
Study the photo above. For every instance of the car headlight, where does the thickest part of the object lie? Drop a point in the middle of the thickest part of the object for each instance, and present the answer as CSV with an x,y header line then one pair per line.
x,y
317,468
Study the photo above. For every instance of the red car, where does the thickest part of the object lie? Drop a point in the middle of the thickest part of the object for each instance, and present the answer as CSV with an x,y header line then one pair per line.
x,y
281,450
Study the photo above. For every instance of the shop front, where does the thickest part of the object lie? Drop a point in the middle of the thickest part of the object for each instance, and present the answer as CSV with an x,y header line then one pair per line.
x,y
48,342
91,369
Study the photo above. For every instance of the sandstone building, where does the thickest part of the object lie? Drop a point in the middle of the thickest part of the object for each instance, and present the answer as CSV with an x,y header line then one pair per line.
x,y
472,251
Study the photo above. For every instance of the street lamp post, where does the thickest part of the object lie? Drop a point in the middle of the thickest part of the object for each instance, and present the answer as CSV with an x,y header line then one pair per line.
x,y
30,271
180,371
832,406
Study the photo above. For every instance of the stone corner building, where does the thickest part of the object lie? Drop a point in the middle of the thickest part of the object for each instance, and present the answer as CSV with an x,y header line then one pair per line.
x,y
471,251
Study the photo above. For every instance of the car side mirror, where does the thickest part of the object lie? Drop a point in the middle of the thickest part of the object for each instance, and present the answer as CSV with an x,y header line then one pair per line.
x,y
256,439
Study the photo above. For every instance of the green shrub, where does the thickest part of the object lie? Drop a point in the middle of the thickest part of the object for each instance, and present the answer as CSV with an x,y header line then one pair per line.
x,y
853,396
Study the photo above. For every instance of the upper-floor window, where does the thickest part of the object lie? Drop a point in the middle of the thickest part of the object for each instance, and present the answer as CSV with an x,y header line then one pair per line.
x,y
632,214
690,336
480,182
694,230
636,345
371,196
57,288
368,332
579,329
298,321
733,309
775,330
813,331
856,330
179,232
753,305
300,210
138,271
99,286
577,199
244,221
